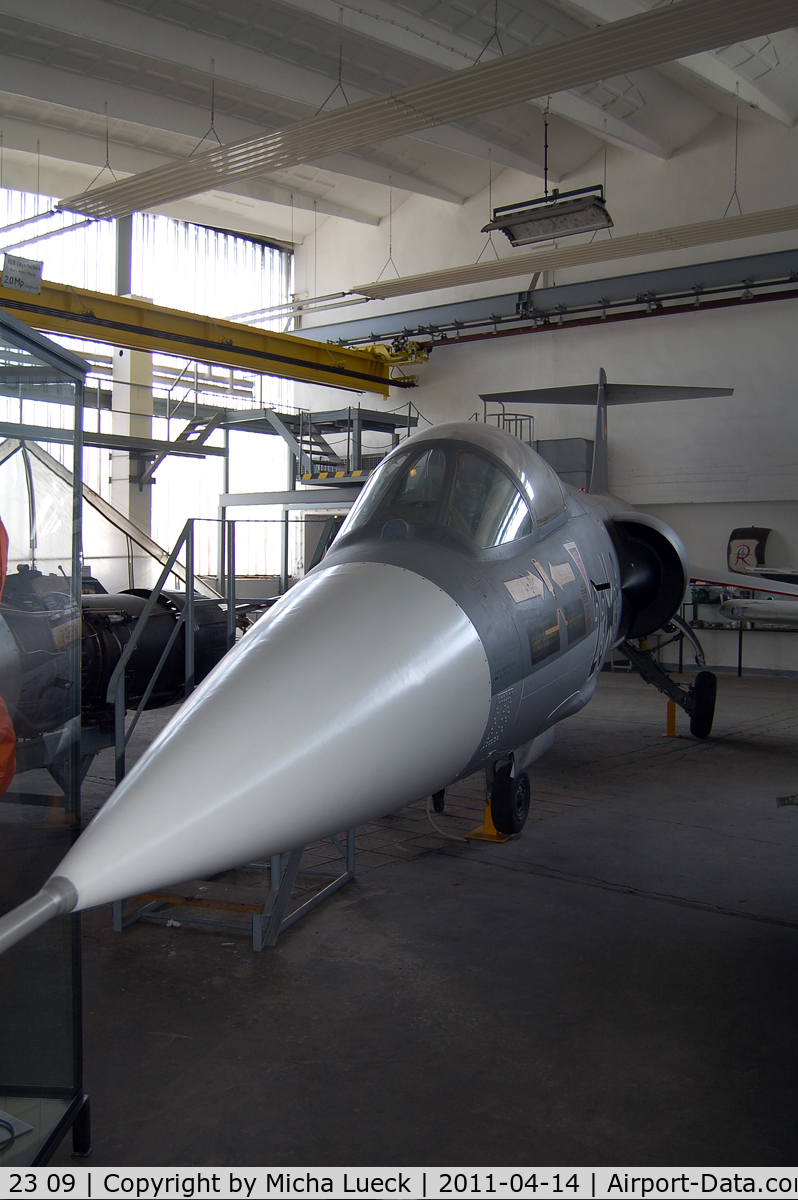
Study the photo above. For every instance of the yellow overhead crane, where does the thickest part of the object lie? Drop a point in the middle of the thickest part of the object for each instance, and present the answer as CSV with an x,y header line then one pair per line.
x,y
139,325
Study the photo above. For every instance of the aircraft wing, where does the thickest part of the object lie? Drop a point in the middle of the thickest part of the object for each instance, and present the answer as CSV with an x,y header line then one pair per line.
x,y
748,583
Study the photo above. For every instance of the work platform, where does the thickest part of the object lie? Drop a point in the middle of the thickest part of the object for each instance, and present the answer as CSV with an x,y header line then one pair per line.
x,y
328,446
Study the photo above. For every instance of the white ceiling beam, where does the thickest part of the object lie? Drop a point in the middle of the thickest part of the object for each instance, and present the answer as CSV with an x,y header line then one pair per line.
x,y
651,38
137,33
117,27
86,94
360,167
453,137
80,94
711,69
706,66
63,138
572,107
378,21
405,30
141,34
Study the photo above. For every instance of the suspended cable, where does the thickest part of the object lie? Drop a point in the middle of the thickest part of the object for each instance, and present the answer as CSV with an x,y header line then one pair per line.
x,y
490,241
292,316
389,262
494,37
734,195
604,185
212,129
546,147
339,87
315,248
107,164
605,159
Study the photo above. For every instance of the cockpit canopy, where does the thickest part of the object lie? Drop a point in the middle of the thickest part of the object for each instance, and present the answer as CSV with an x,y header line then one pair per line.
x,y
459,488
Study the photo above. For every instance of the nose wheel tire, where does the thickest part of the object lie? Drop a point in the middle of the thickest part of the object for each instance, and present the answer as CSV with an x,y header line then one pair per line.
x,y
509,801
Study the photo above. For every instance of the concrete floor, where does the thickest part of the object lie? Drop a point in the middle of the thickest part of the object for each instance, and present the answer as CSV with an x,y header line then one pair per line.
x,y
615,987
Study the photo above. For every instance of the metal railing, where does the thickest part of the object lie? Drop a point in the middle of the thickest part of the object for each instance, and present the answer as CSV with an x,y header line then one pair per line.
x,y
270,920
520,425
116,685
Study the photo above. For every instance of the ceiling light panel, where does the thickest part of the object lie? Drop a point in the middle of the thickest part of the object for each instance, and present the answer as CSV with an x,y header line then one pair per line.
x,y
557,215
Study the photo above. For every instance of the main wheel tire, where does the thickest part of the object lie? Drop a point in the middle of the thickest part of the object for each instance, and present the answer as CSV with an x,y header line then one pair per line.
x,y
704,691
509,801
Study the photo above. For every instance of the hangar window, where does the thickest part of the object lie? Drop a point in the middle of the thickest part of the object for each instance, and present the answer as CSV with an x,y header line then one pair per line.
x,y
486,505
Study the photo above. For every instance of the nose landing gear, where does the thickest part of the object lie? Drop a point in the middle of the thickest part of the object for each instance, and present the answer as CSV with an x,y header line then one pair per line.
x,y
509,800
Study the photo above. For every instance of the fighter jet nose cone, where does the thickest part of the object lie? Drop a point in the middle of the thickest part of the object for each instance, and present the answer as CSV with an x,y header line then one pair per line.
x,y
364,688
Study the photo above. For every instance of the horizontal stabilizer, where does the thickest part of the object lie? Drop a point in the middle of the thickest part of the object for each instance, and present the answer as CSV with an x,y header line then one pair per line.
x,y
616,393
779,574
767,612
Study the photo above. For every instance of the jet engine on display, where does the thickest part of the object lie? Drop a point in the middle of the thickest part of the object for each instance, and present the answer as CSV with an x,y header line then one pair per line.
x,y
465,608
39,628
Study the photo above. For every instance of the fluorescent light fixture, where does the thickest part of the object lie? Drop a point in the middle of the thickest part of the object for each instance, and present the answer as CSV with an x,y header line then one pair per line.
x,y
554,216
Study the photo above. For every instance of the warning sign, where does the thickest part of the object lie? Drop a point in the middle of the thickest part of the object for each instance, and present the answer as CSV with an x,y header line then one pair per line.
x,y
22,274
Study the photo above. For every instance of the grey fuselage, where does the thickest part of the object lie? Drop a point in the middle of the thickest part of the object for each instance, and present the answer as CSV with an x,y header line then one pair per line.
x,y
547,605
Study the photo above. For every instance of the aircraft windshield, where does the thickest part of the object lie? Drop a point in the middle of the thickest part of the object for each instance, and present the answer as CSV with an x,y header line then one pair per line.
x,y
544,490
407,488
414,496
486,505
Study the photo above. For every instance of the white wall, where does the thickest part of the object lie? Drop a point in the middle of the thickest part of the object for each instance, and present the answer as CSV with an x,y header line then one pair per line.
x,y
704,465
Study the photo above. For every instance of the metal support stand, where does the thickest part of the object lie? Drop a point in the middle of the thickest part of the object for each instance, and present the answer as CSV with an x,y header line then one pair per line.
x,y
78,1118
81,1131
670,720
188,611
268,921
278,921
487,831
284,553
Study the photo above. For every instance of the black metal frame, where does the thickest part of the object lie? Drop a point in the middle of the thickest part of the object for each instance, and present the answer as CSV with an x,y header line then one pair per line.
x,y
77,1114
597,189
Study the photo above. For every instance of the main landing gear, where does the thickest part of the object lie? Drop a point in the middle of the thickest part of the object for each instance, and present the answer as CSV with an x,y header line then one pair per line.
x,y
697,700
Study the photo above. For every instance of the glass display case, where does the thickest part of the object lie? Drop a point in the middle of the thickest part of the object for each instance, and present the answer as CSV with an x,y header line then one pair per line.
x,y
41,391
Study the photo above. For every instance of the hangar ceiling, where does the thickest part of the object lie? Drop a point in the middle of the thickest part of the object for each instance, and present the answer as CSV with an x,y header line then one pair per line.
x,y
162,66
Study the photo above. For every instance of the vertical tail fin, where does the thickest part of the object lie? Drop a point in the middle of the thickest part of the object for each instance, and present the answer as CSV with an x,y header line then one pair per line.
x,y
599,477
